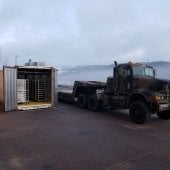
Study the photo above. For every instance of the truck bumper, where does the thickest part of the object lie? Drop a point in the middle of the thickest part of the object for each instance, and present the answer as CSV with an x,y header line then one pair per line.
x,y
163,107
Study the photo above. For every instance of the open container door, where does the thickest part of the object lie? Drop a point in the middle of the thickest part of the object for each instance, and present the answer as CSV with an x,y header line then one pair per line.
x,y
54,96
10,91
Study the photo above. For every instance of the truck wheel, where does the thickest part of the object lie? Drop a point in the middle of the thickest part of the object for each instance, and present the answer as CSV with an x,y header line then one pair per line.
x,y
164,115
82,100
93,103
139,112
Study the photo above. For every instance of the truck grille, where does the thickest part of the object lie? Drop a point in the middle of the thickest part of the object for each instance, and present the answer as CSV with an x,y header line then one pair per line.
x,y
166,91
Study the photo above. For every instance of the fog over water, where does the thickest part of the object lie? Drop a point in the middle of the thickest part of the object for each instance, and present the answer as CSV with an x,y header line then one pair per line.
x,y
101,72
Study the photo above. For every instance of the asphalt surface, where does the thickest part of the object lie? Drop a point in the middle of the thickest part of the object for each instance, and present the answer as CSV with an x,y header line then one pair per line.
x,y
70,138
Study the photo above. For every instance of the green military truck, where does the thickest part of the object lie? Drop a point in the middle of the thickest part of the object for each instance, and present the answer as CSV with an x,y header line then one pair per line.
x,y
133,86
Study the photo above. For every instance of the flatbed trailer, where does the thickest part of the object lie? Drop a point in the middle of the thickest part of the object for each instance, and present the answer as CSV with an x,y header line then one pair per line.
x,y
66,96
80,87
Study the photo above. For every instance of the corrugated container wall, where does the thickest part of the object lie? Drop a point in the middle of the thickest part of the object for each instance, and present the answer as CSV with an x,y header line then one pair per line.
x,y
1,91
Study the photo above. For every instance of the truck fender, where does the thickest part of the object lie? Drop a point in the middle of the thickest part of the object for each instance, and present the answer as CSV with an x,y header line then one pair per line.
x,y
136,96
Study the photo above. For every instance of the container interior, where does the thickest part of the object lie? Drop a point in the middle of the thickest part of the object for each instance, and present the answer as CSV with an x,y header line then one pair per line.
x,y
33,86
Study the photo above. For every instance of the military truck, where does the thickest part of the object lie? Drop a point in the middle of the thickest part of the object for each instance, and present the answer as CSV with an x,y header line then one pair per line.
x,y
134,86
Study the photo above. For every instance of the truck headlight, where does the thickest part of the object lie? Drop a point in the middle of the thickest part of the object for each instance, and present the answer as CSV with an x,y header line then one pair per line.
x,y
154,98
157,98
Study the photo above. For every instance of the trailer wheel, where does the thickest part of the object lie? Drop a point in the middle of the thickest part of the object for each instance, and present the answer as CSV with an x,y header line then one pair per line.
x,y
164,115
93,103
82,100
139,112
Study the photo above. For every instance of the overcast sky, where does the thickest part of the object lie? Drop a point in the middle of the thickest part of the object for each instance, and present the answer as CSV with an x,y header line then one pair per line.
x,y
79,32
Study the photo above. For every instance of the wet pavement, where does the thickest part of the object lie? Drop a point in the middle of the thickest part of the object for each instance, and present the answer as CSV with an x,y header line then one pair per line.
x,y
70,138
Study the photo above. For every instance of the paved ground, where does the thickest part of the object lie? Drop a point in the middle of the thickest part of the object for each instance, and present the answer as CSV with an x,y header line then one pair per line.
x,y
70,138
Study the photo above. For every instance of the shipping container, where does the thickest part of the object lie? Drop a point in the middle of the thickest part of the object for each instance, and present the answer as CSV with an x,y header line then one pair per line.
x,y
27,87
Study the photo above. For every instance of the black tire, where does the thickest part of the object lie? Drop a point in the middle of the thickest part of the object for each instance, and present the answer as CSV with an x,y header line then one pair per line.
x,y
139,112
164,115
93,103
82,100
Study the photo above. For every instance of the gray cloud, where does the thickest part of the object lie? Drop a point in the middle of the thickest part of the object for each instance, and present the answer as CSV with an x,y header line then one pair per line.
x,y
84,32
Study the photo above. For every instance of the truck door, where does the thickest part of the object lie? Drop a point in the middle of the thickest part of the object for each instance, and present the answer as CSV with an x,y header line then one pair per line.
x,y
124,79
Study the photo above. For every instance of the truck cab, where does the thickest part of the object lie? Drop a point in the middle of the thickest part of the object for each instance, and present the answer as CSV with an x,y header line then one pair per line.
x,y
136,83
133,76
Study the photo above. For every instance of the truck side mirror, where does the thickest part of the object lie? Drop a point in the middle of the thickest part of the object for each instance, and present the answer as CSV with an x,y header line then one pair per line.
x,y
124,73
155,72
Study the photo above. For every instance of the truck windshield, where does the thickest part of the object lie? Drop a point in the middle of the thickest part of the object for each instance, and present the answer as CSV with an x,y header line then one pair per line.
x,y
143,72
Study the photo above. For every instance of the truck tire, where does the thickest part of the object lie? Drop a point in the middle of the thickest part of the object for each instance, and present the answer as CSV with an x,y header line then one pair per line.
x,y
139,112
93,103
164,115
82,100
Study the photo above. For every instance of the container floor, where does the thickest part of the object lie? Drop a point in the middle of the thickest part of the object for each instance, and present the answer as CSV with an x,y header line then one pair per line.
x,y
34,105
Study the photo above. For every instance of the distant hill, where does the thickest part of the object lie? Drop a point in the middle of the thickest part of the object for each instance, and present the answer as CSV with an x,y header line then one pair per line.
x,y
67,75
158,63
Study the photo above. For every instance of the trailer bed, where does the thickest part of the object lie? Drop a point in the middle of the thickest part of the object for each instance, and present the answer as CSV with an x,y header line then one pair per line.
x,y
69,94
